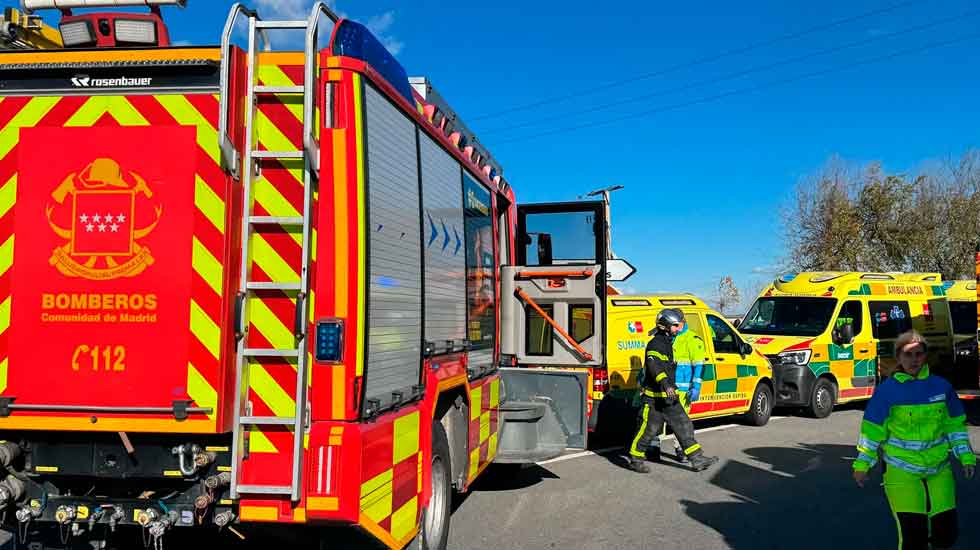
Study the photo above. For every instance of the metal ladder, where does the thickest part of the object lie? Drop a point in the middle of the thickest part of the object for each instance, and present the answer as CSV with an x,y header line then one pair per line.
x,y
244,418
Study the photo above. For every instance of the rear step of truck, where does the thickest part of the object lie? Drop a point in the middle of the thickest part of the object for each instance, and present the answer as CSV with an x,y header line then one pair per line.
x,y
298,423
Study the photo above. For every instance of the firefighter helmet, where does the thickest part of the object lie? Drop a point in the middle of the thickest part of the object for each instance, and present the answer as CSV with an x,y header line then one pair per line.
x,y
669,317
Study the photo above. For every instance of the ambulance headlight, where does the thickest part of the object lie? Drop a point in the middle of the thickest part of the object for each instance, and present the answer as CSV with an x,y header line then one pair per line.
x,y
136,31
77,33
799,358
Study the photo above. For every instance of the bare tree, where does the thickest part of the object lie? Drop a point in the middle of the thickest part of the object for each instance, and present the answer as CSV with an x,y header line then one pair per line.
x,y
845,219
728,294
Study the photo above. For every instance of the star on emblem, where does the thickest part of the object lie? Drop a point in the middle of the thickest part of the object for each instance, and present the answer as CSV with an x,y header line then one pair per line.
x,y
89,228
114,228
83,218
97,218
102,228
120,218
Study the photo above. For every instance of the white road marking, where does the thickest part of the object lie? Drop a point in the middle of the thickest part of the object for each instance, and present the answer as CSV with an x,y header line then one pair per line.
x,y
620,447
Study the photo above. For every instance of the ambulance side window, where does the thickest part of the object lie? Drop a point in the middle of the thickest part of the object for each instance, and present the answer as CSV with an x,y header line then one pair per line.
x,y
722,336
852,310
889,319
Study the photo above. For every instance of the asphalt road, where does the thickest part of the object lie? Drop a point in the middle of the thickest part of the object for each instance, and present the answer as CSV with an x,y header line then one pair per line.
x,y
786,485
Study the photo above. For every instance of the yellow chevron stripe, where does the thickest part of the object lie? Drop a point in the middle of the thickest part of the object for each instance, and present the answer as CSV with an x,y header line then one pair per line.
x,y
361,224
206,265
259,443
5,315
3,375
271,327
205,329
271,393
271,262
272,75
210,204
274,140
201,391
8,195
119,107
313,238
184,112
6,255
28,116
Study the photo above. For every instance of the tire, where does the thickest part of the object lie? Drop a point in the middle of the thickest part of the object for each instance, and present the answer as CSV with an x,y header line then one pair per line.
x,y
434,534
822,399
762,403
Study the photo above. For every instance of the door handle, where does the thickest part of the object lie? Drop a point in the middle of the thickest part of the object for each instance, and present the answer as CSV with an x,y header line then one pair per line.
x,y
719,359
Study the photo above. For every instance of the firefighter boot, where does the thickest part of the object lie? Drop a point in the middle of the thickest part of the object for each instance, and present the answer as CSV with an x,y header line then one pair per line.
x,y
653,454
700,462
681,457
637,465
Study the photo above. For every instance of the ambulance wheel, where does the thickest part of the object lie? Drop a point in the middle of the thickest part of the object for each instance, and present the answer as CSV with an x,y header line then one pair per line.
x,y
434,534
822,399
761,405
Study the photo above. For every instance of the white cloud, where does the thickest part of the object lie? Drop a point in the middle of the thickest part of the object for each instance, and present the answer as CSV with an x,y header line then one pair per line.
x,y
379,25
286,9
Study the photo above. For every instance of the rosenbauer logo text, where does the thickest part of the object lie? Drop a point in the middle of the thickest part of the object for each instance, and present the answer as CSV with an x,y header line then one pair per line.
x,y
83,81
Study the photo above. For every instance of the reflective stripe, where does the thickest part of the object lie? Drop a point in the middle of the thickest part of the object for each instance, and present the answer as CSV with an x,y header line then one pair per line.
x,y
871,460
657,354
698,380
651,393
661,376
692,449
958,436
961,449
899,463
914,445
634,451
683,386
865,443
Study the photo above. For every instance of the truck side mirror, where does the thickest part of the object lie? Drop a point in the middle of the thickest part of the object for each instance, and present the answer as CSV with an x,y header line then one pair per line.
x,y
544,249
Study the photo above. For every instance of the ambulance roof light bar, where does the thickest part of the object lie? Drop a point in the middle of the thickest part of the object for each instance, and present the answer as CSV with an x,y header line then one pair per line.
x,y
30,5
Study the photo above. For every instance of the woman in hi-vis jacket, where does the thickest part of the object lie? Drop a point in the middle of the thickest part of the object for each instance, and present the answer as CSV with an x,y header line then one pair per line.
x,y
915,421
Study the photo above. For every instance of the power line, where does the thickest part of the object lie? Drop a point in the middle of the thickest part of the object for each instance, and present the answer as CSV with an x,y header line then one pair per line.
x,y
733,75
699,61
741,91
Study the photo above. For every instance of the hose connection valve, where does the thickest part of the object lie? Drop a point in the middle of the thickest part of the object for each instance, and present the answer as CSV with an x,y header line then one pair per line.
x,y
145,517
65,514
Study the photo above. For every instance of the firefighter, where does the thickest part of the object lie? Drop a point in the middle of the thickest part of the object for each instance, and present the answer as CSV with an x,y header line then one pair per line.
x,y
689,352
914,420
660,402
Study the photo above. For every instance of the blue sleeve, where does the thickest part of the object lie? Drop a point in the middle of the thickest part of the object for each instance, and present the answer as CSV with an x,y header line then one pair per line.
x,y
953,403
880,405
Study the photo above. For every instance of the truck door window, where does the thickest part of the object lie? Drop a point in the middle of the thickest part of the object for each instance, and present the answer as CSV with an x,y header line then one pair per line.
x,y
889,319
722,336
852,310
571,236
580,318
538,332
480,272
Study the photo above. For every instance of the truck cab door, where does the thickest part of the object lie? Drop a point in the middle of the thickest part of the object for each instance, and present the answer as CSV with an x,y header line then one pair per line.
x,y
553,306
554,298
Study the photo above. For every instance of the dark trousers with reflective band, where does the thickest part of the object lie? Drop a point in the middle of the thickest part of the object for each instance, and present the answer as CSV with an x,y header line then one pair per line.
x,y
654,411
924,508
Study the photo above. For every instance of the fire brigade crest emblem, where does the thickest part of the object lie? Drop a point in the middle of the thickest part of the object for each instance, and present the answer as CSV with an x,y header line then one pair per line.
x,y
110,215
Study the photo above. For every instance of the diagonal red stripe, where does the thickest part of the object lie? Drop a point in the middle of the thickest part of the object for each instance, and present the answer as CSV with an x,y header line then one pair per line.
x,y
288,186
207,106
283,119
9,108
152,110
63,110
107,120
295,73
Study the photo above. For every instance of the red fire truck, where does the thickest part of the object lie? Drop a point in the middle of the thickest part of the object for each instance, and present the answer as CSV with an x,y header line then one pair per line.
x,y
240,285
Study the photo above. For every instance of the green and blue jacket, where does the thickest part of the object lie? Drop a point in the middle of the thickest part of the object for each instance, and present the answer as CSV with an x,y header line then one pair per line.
x,y
914,423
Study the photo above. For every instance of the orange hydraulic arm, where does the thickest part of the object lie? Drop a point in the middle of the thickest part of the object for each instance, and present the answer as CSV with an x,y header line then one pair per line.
x,y
581,351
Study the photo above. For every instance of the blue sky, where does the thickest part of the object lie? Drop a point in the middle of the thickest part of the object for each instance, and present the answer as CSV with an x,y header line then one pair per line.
x,y
704,183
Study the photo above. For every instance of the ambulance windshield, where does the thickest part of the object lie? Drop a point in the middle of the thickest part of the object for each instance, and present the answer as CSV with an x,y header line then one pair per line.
x,y
789,316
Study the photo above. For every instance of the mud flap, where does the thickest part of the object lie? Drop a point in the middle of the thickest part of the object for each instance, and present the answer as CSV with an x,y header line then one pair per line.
x,y
543,413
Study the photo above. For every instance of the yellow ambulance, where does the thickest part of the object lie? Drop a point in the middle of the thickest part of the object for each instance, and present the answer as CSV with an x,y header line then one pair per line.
x,y
830,335
736,378
962,297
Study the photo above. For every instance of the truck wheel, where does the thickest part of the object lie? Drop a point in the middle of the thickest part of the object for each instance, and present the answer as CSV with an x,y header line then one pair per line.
x,y
761,406
434,534
822,399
